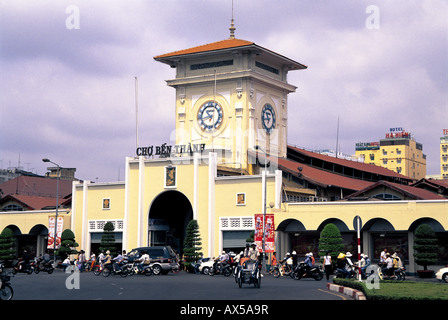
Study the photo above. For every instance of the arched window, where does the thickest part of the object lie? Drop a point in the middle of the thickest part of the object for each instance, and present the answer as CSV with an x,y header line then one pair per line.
x,y
12,207
386,196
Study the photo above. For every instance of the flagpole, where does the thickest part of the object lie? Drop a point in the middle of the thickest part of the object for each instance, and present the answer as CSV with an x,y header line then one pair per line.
x,y
136,112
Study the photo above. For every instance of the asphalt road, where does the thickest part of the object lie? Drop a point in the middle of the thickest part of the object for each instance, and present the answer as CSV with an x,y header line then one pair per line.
x,y
174,293
180,286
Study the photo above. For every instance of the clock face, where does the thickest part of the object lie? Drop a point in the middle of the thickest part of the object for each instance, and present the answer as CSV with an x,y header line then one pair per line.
x,y
210,116
268,117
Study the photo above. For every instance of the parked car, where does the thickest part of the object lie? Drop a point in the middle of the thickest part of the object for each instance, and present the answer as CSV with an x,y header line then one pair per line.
x,y
442,274
205,265
162,258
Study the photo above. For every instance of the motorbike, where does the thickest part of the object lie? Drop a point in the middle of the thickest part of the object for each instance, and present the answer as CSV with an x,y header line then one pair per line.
x,y
281,270
133,268
21,267
300,272
340,274
112,268
40,265
398,274
6,291
224,269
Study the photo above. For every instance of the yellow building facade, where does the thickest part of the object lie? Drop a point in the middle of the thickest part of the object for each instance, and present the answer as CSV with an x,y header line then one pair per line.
x,y
444,154
231,110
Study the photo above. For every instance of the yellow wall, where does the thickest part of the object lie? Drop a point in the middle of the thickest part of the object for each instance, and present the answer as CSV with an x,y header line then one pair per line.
x,y
26,220
401,214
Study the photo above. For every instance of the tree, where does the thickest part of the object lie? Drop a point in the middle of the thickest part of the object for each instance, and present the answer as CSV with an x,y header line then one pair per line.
x,y
192,243
330,241
7,246
108,239
425,246
250,239
67,244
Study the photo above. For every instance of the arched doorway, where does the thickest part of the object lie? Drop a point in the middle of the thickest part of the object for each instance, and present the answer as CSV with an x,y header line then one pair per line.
x,y
169,215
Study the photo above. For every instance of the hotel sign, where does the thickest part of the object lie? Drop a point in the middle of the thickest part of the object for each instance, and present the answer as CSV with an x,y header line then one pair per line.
x,y
398,132
367,146
165,150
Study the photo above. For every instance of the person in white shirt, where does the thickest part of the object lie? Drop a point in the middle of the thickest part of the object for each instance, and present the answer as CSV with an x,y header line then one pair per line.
x,y
65,263
144,260
328,265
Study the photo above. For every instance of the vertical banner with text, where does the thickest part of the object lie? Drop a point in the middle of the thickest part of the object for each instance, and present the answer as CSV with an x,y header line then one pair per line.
x,y
51,236
269,232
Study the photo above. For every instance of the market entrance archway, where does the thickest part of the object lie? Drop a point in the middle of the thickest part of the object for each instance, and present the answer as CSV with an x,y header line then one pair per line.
x,y
169,215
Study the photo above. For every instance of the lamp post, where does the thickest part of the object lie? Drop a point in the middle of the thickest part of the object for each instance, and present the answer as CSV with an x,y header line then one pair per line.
x,y
57,205
264,205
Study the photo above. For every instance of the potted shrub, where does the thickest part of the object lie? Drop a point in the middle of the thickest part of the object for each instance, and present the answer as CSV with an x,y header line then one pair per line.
x,y
425,249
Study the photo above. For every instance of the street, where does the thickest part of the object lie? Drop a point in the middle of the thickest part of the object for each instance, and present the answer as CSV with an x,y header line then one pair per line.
x,y
182,286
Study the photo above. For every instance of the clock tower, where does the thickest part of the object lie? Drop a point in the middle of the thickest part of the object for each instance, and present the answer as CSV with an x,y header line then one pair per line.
x,y
231,95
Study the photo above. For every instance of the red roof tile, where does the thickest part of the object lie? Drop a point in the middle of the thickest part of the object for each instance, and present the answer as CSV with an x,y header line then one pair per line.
x,y
361,166
36,186
321,177
32,202
408,191
219,45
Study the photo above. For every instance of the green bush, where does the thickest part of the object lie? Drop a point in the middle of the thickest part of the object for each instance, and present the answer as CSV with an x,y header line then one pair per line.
x,y
330,241
425,246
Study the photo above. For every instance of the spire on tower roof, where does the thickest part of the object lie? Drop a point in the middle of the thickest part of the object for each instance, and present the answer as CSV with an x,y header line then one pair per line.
x,y
232,26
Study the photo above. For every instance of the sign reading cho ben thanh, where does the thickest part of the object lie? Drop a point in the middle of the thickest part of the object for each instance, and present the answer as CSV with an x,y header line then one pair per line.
x,y
165,150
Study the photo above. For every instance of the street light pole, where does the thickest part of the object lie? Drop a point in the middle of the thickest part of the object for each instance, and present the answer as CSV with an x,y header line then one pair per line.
x,y
264,206
57,205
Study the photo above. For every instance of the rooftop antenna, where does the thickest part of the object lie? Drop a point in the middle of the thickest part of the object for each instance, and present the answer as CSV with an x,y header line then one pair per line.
x,y
136,111
337,138
232,26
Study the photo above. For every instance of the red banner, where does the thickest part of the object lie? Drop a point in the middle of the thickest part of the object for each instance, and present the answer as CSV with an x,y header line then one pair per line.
x,y
51,237
269,232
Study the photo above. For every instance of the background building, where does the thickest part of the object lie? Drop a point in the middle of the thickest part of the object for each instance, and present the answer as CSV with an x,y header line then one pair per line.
x,y
444,155
398,152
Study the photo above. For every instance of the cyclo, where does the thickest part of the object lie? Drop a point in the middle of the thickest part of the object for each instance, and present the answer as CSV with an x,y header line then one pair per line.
x,y
249,273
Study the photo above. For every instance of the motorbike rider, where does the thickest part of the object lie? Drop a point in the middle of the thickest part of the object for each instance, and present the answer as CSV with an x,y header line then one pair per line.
x,y
308,263
294,259
254,254
365,263
117,261
25,260
46,257
222,261
345,264
144,260
107,259
388,270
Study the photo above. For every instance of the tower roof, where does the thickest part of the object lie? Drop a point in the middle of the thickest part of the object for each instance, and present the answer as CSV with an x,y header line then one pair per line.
x,y
221,46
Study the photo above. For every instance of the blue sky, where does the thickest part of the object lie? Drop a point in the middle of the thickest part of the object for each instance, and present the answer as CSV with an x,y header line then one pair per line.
x,y
68,94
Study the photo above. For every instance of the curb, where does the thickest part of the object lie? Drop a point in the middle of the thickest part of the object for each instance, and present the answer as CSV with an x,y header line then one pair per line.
x,y
355,294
